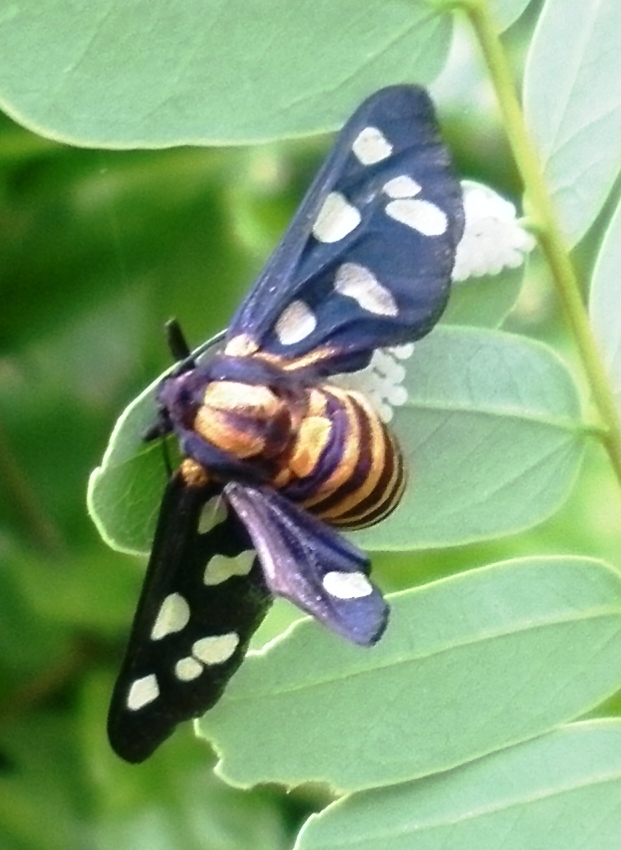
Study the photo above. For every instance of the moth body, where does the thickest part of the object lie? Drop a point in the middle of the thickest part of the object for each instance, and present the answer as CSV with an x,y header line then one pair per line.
x,y
323,447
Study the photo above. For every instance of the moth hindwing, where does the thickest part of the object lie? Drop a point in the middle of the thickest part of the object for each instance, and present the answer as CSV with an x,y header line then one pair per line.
x,y
287,457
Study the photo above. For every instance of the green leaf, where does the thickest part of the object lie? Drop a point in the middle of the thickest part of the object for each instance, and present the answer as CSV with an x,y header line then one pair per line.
x,y
561,790
484,301
491,432
124,493
572,103
172,72
506,12
468,665
604,302
492,437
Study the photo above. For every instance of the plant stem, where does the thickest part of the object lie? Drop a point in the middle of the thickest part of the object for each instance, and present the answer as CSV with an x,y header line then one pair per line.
x,y
541,211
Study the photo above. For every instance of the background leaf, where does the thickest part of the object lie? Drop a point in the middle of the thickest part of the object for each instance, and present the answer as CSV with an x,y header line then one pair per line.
x,y
468,665
572,104
561,790
484,301
489,415
506,12
125,491
492,436
213,72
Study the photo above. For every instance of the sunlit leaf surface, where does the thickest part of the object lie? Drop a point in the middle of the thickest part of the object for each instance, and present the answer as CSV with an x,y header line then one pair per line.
x,y
467,665
572,102
561,790
173,72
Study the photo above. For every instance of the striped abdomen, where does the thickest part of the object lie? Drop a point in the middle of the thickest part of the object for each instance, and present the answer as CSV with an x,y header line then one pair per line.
x,y
345,466
325,448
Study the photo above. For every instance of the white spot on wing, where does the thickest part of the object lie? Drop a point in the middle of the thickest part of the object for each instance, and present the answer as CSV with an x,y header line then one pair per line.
x,y
216,649
371,145
347,585
142,692
222,567
359,283
213,513
210,650
173,616
420,215
337,218
402,187
187,669
295,323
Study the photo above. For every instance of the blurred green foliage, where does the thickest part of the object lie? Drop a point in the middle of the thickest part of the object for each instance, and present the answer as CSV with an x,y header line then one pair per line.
x,y
98,250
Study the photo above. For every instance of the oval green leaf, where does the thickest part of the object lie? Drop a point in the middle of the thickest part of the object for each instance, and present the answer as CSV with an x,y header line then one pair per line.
x,y
492,436
506,12
561,790
468,665
484,301
125,492
572,103
491,433
172,72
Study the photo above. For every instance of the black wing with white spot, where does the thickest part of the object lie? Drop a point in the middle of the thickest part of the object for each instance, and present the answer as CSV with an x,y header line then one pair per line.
x,y
310,564
367,260
203,597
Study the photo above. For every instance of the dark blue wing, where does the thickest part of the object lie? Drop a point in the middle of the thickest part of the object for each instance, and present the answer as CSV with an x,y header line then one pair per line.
x,y
310,564
202,599
367,260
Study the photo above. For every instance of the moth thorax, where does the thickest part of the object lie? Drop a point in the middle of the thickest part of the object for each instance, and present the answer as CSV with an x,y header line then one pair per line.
x,y
244,419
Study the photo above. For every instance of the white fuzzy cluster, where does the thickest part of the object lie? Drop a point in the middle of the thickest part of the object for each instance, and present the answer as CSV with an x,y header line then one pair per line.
x,y
493,237
382,380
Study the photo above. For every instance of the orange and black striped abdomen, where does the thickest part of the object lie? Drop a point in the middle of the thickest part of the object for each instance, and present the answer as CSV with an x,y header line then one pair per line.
x,y
353,473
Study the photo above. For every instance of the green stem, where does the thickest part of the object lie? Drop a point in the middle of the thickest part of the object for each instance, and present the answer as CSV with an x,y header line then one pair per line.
x,y
541,210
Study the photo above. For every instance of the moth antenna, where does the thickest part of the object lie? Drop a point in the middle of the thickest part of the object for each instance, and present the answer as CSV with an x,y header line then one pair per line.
x,y
176,340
